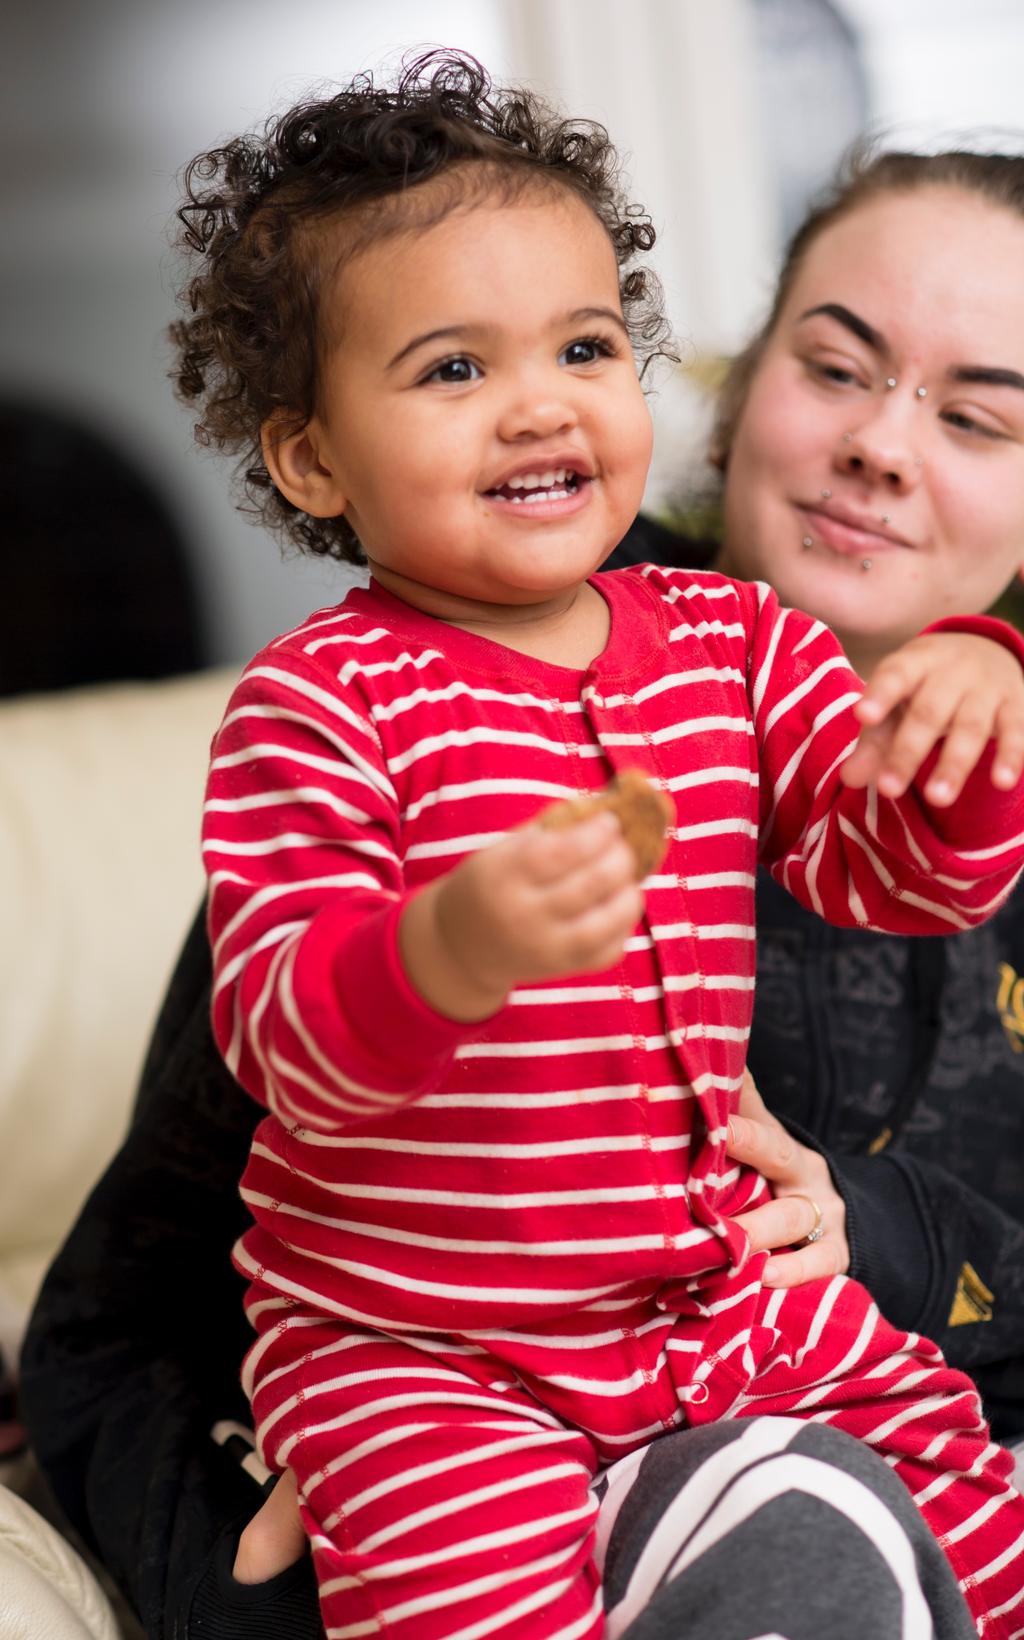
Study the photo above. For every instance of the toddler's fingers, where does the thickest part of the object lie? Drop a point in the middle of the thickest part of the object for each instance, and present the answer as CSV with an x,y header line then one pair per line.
x,y
594,940
926,718
549,855
590,883
965,741
1008,764
864,762
893,681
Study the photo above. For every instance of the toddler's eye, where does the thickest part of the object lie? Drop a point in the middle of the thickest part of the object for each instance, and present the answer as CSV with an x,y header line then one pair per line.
x,y
585,350
458,369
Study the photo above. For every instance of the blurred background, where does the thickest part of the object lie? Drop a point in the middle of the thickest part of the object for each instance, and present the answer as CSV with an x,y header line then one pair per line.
x,y
732,113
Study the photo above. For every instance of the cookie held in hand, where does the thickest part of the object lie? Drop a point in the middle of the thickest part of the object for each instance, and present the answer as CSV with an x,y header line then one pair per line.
x,y
644,813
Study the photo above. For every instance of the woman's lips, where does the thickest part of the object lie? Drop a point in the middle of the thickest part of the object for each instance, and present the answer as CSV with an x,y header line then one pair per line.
x,y
841,534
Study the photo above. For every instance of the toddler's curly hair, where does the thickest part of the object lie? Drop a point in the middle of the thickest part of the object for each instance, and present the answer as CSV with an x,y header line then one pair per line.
x,y
254,218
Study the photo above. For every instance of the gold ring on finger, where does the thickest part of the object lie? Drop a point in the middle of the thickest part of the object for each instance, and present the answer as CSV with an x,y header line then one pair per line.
x,y
817,1229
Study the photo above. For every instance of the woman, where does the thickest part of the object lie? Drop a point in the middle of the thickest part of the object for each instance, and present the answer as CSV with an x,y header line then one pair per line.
x,y
872,444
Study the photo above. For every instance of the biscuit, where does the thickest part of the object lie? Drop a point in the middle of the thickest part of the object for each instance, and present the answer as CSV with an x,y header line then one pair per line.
x,y
644,813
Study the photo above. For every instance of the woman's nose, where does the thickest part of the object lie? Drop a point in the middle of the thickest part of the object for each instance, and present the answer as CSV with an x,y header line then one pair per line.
x,y
880,450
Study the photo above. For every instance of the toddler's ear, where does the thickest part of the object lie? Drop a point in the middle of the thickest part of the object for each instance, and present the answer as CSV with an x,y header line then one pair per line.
x,y
295,460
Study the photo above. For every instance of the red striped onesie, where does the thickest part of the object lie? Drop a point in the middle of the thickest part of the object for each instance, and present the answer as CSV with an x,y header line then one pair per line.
x,y
489,1260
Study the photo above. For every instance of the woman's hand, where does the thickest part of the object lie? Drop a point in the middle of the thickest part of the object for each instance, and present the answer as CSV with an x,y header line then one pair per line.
x,y
954,686
274,1539
798,1177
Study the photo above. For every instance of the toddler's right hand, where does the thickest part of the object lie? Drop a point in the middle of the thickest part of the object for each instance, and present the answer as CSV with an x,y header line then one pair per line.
x,y
540,904
274,1539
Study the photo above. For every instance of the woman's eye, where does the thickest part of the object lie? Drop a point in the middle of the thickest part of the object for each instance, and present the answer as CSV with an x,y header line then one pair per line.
x,y
456,370
840,374
585,351
966,423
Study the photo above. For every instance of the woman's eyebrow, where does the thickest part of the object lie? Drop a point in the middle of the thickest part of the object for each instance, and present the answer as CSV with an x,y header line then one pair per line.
x,y
852,321
988,375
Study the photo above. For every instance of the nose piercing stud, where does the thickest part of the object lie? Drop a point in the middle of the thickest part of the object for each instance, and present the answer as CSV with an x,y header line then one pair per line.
x,y
865,565
921,392
847,438
890,383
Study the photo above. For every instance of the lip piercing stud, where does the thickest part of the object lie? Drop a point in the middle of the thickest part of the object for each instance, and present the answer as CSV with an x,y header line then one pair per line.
x,y
890,383
865,565
826,495
886,519
808,542
921,392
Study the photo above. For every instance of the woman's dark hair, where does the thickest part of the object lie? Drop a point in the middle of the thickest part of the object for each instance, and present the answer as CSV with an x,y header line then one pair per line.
x,y
864,175
254,219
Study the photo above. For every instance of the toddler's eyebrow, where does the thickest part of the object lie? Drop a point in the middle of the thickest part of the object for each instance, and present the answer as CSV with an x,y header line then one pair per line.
x,y
466,333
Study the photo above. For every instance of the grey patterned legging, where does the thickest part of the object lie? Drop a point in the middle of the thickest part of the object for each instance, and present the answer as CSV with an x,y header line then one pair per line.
x,y
773,1529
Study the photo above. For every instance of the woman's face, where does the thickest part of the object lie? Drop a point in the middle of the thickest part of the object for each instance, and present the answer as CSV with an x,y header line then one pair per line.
x,y
876,477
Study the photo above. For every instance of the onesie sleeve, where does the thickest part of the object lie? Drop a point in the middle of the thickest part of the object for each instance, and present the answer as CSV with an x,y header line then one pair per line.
x,y
858,859
301,839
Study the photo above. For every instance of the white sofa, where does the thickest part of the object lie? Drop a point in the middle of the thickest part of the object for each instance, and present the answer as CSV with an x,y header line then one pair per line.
x,y
100,796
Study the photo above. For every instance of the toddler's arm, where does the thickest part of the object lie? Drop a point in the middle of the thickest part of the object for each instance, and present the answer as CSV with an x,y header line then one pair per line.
x,y
959,687
916,858
340,992
537,905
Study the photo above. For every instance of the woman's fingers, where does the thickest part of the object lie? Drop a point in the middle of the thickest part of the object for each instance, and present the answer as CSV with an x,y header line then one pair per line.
x,y
802,1185
818,1262
779,1223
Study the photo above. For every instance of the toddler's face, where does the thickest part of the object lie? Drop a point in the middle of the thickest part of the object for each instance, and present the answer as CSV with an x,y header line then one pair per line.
x,y
481,420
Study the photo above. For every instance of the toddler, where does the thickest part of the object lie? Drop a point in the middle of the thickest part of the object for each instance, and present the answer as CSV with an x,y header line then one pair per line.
x,y
493,1247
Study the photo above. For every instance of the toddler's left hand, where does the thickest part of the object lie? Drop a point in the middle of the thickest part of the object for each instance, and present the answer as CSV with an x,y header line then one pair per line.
x,y
953,685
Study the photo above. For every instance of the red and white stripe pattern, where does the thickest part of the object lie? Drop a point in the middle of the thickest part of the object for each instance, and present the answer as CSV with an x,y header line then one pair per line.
x,y
567,1156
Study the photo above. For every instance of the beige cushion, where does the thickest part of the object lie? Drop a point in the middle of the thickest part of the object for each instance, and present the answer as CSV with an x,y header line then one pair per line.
x,y
100,799
47,1592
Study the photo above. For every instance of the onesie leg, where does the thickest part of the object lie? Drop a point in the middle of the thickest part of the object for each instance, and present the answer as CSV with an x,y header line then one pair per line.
x,y
439,1501
822,1352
